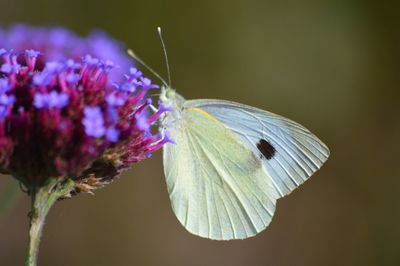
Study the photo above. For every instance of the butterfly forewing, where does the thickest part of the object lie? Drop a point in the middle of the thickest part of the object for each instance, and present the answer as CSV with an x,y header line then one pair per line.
x,y
289,152
218,187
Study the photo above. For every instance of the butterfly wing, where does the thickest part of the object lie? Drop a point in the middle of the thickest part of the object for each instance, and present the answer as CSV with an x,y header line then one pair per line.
x,y
217,186
289,151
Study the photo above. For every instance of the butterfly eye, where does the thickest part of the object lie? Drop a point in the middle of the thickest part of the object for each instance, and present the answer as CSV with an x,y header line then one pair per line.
x,y
170,93
266,149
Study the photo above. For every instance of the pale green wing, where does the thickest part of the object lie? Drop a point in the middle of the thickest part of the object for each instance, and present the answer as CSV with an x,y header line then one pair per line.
x,y
298,153
218,188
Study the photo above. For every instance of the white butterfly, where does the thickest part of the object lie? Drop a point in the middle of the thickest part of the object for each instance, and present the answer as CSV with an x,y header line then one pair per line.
x,y
230,164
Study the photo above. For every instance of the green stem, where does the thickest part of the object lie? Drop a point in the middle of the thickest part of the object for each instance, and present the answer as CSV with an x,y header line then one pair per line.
x,y
43,199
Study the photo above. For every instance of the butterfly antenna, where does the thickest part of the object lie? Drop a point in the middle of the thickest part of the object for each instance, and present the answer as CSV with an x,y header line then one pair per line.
x,y
154,94
137,58
165,55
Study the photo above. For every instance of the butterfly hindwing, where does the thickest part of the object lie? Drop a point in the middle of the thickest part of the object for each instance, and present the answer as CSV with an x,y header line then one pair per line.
x,y
289,151
218,187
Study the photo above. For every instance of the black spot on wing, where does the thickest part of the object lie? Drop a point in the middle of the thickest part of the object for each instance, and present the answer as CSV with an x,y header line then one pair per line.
x,y
266,149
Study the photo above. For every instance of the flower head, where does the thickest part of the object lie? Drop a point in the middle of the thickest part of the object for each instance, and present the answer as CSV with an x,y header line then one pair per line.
x,y
60,44
66,117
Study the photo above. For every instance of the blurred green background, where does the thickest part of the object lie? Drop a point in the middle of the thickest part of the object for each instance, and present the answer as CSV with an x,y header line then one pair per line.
x,y
333,66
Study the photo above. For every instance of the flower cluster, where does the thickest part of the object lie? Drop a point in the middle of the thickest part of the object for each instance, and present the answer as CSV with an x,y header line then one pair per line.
x,y
67,118
60,44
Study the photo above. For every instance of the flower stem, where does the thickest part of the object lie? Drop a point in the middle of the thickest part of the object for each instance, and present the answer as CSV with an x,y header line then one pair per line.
x,y
43,199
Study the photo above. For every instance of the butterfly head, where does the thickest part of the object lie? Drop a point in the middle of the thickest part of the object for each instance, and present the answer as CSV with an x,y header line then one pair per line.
x,y
171,98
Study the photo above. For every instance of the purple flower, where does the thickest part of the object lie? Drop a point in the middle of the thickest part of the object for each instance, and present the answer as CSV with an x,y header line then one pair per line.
x,y
93,122
40,100
146,83
58,99
53,67
134,73
4,85
72,65
10,68
88,59
41,79
32,53
3,111
129,87
59,44
142,123
65,113
50,100
73,78
6,99
69,120
112,134
115,100
113,115
6,68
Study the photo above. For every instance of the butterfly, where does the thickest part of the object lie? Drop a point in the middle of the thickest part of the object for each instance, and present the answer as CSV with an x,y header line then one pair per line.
x,y
231,162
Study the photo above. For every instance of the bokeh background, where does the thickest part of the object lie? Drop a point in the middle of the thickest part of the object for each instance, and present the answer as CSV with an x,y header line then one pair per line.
x,y
333,66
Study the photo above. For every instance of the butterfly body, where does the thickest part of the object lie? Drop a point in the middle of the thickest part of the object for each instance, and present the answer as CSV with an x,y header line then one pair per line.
x,y
230,164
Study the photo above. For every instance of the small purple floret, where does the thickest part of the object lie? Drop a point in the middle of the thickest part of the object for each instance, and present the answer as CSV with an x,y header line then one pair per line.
x,y
3,111
58,99
4,85
72,78
71,64
135,73
50,100
53,67
93,122
112,134
115,100
7,99
128,87
88,59
6,68
142,123
32,53
146,83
